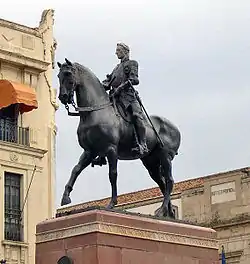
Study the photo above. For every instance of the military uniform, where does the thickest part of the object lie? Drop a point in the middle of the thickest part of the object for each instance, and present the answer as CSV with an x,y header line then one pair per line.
x,y
126,70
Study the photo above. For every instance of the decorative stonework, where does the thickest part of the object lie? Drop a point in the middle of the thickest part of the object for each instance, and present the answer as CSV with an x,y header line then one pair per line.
x,y
15,252
52,93
14,157
7,252
53,51
22,157
8,39
17,58
127,231
20,28
23,255
28,42
22,150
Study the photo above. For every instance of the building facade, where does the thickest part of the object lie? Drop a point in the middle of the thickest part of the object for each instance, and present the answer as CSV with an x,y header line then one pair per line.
x,y
220,201
27,135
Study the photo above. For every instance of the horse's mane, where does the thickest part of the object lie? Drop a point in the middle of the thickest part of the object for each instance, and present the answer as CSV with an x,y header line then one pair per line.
x,y
84,70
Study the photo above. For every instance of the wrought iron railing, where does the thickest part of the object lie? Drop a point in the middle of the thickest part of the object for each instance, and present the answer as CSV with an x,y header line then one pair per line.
x,y
12,191
12,224
10,132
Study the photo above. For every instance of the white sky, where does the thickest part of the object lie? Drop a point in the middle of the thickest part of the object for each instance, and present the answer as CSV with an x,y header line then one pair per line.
x,y
194,59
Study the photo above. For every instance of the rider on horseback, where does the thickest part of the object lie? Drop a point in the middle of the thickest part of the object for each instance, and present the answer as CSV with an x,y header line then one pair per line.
x,y
125,74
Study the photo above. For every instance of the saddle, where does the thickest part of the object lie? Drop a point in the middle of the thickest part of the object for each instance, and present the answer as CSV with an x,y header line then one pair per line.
x,y
122,111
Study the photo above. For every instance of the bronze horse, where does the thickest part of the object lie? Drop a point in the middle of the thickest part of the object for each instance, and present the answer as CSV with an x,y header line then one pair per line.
x,y
103,132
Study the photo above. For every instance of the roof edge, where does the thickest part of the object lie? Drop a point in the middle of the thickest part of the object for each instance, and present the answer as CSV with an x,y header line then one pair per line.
x,y
80,205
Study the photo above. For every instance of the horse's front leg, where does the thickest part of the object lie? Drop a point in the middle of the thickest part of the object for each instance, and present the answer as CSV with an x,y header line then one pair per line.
x,y
83,162
112,161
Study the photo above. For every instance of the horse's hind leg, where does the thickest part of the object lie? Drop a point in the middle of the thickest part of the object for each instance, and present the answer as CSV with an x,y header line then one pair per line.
x,y
112,160
83,162
166,163
152,164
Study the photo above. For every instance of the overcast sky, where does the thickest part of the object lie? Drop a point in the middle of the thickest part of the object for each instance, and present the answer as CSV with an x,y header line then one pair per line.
x,y
194,58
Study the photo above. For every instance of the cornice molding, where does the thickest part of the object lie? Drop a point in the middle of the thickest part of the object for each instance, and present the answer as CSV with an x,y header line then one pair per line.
x,y
19,59
22,150
127,231
21,28
222,224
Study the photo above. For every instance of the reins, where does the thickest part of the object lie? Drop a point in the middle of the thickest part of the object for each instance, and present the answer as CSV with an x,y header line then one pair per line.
x,y
85,108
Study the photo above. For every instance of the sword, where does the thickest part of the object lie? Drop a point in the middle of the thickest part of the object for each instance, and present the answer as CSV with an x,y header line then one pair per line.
x,y
140,102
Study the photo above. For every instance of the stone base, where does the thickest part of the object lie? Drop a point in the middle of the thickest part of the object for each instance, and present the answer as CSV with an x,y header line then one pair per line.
x,y
104,237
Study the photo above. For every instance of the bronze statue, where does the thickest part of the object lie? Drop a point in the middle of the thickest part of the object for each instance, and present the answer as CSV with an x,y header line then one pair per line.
x,y
104,130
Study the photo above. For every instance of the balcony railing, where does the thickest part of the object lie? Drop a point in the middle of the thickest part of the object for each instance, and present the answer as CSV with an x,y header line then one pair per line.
x,y
10,132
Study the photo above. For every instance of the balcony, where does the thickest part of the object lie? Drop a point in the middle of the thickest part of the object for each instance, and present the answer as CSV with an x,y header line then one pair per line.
x,y
10,132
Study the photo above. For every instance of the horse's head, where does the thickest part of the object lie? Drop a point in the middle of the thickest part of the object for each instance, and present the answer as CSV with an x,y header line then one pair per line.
x,y
68,76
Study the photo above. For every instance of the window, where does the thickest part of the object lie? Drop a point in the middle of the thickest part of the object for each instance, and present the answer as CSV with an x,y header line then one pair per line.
x,y
8,123
9,129
12,206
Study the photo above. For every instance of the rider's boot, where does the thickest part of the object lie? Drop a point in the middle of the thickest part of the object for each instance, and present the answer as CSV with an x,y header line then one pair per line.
x,y
141,147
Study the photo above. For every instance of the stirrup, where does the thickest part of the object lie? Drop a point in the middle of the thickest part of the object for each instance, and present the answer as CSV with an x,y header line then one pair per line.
x,y
99,161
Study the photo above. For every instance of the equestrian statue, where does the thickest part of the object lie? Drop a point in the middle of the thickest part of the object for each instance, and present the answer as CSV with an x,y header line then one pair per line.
x,y
114,125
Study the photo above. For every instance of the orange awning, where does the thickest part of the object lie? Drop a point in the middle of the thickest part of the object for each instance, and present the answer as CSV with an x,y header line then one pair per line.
x,y
17,93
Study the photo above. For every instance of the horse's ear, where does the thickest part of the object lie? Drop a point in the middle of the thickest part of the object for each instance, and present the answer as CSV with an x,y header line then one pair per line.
x,y
68,62
59,64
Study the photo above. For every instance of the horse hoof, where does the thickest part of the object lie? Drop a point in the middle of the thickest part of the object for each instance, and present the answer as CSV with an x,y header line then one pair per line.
x,y
159,212
65,200
111,205
171,215
162,212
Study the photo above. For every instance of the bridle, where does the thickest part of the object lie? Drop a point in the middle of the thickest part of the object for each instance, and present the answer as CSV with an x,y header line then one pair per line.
x,y
85,108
